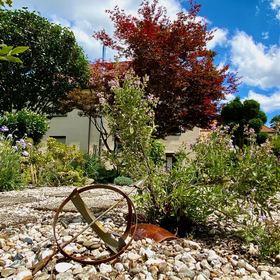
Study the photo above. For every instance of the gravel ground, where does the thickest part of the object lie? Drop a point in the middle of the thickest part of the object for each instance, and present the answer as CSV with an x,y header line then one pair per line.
x,y
26,236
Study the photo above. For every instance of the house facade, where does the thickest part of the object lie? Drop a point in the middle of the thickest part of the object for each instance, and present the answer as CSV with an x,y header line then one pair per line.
x,y
73,129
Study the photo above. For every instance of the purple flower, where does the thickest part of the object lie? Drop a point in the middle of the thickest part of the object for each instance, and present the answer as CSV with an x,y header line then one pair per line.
x,y
22,143
262,218
15,147
4,128
25,154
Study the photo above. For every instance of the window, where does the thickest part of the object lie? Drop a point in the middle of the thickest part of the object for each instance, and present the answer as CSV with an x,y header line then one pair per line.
x,y
170,161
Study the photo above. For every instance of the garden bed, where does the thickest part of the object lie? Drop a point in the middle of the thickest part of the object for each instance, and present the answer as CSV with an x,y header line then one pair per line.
x,y
26,236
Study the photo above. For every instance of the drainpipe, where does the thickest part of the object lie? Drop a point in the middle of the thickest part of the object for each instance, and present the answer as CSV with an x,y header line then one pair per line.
x,y
89,132
100,139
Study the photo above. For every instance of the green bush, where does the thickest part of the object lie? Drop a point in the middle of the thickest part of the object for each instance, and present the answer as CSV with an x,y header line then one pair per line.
x,y
107,176
95,169
262,137
24,124
222,181
123,181
10,167
275,141
54,165
157,152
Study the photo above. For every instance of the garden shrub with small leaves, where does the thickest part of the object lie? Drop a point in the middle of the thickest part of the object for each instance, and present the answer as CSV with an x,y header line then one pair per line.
x,y
219,182
12,155
25,123
123,181
55,165
222,181
10,167
95,169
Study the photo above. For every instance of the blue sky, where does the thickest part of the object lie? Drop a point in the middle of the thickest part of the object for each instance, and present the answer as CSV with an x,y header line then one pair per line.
x,y
246,36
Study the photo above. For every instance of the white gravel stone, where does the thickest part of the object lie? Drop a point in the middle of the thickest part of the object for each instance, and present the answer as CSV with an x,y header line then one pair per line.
x,y
63,267
200,277
46,253
192,244
23,274
119,267
133,257
187,258
105,268
212,255
250,267
154,261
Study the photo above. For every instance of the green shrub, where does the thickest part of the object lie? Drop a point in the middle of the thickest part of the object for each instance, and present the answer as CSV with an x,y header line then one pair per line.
x,y
54,165
123,181
107,176
10,167
221,180
24,124
275,141
262,137
157,152
95,169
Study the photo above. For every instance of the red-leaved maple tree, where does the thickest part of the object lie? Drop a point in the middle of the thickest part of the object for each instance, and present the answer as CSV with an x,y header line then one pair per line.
x,y
181,70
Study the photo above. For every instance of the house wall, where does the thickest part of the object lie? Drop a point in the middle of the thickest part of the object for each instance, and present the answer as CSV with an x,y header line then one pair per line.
x,y
173,143
76,130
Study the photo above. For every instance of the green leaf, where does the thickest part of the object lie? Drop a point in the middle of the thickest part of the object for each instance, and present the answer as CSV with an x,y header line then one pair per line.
x,y
18,50
13,59
3,58
5,50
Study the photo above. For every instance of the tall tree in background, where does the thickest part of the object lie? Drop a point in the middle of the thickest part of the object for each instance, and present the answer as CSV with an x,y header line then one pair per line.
x,y
275,122
173,54
235,113
53,66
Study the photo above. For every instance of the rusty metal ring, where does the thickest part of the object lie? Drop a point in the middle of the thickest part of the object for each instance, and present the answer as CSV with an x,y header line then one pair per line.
x,y
131,209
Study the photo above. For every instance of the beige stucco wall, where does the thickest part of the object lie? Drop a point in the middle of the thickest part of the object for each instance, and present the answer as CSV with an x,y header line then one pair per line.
x,y
76,130
173,143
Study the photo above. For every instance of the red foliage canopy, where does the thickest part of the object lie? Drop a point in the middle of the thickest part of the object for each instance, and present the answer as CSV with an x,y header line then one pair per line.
x,y
181,70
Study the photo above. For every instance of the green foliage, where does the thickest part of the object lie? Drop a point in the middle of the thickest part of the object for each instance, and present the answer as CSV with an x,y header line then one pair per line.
x,y
55,165
10,168
53,66
275,122
123,181
95,169
238,115
131,120
275,141
262,137
25,123
157,152
6,2
237,185
9,53
93,166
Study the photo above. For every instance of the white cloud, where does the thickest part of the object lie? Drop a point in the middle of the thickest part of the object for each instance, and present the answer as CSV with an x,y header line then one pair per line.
x,y
219,39
228,98
275,5
86,16
265,35
257,64
269,103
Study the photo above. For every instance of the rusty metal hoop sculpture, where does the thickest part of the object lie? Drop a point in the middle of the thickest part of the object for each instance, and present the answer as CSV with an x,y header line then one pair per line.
x,y
131,215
